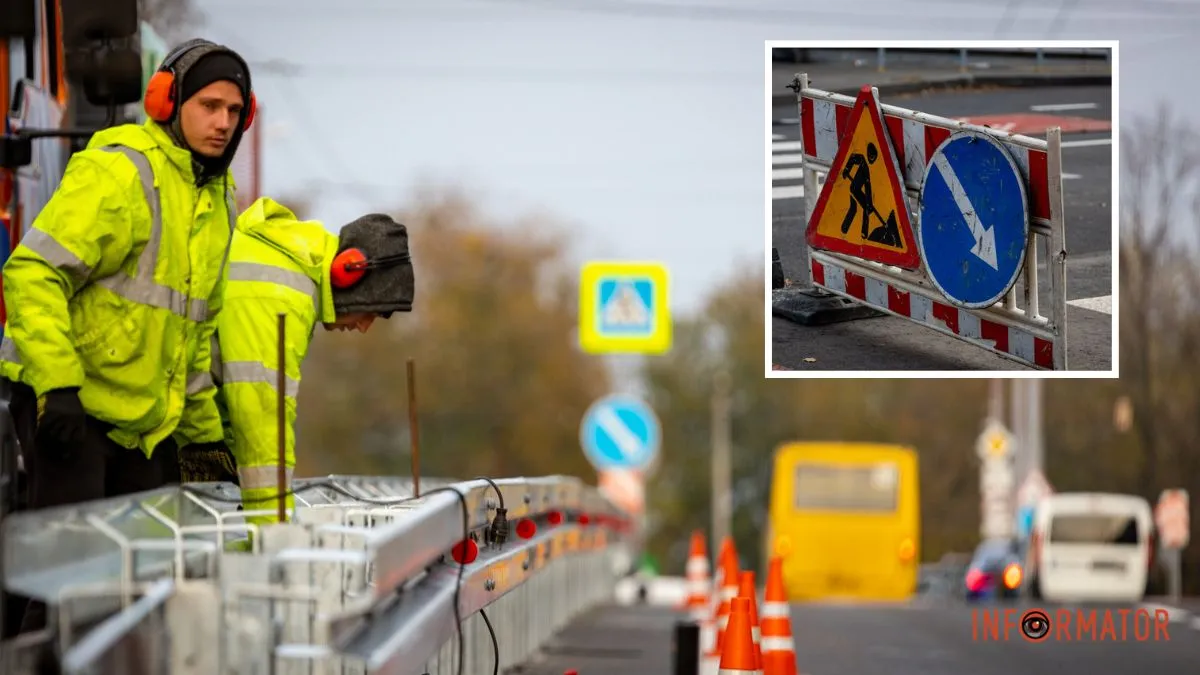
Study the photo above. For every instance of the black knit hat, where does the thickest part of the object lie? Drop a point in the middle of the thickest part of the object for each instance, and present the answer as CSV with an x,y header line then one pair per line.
x,y
387,284
215,66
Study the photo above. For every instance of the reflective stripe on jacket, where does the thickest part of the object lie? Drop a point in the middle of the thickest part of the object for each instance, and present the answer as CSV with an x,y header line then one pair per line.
x,y
116,287
278,264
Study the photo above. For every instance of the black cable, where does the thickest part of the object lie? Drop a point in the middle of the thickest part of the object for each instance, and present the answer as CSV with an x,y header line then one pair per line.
x,y
495,644
495,488
462,568
497,531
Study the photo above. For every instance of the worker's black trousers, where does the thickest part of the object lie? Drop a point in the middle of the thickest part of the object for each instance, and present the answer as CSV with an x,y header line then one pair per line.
x,y
98,469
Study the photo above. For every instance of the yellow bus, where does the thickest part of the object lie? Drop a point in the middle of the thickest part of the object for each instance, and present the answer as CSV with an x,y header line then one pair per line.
x,y
846,518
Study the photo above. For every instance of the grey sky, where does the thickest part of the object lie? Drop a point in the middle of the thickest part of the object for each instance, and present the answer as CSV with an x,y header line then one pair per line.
x,y
520,103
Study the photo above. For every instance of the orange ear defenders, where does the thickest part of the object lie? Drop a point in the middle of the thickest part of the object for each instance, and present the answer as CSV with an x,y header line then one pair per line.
x,y
351,265
162,92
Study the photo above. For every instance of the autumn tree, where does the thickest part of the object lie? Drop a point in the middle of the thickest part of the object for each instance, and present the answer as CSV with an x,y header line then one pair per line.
x,y
501,383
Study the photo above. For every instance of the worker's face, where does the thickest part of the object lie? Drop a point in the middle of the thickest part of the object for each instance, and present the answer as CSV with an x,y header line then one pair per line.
x,y
359,321
210,116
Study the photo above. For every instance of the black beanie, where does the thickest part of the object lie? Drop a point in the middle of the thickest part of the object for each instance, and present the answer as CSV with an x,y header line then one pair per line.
x,y
214,67
390,286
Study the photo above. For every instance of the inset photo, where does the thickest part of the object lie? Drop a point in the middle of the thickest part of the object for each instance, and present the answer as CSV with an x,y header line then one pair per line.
x,y
942,209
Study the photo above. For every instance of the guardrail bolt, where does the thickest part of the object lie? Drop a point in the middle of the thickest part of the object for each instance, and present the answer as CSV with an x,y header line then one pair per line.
x,y
489,585
528,498
525,565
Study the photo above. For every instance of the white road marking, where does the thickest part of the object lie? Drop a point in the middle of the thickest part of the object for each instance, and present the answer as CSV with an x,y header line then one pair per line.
x,y
1102,304
1071,176
787,192
1054,107
788,146
787,159
777,137
788,174
1087,143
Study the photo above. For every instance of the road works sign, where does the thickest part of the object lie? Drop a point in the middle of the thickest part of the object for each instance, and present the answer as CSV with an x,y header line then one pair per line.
x,y
861,252
623,308
862,210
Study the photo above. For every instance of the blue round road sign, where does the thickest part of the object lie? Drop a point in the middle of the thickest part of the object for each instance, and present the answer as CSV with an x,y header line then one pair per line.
x,y
973,220
619,432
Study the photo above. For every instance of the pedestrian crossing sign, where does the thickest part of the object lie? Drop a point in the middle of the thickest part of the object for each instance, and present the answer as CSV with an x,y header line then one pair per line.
x,y
623,308
862,209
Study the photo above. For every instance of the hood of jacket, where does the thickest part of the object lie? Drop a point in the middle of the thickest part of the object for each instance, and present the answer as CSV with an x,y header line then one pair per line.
x,y
305,242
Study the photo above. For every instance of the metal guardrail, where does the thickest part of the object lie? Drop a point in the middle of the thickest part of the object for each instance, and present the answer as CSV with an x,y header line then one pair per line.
x,y
363,579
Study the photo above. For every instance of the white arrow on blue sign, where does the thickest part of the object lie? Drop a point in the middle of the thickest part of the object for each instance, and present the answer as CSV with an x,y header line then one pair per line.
x,y
973,220
620,432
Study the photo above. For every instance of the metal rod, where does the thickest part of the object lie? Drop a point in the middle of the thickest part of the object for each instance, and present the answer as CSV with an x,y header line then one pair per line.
x,y
721,499
413,431
996,400
281,390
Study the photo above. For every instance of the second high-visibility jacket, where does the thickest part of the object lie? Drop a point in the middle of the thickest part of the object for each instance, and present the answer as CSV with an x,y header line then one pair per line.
x,y
278,264
116,287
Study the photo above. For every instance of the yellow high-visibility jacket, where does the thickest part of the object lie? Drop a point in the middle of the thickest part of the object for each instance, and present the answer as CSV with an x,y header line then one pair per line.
x,y
278,264
116,288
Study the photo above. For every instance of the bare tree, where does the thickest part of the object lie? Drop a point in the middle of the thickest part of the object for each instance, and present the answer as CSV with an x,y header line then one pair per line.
x,y
1161,176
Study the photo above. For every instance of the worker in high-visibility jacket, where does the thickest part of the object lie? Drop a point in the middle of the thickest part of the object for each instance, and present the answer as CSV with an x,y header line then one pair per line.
x,y
113,294
279,264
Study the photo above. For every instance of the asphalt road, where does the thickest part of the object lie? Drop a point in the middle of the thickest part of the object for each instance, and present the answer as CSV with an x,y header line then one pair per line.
x,y
889,343
919,638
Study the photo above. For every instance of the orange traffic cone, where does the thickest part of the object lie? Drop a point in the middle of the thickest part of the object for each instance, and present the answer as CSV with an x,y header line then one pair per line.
x,y
778,648
747,590
737,658
728,593
697,602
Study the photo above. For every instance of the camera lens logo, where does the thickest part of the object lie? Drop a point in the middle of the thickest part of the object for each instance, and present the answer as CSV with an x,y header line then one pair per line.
x,y
1035,625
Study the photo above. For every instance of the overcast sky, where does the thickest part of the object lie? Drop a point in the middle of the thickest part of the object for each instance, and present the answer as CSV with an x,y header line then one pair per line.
x,y
520,102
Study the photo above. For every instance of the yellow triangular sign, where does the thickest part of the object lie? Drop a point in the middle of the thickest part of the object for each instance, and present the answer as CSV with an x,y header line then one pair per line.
x,y
862,210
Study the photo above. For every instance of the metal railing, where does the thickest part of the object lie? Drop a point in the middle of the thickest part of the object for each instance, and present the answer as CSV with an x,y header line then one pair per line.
x,y
364,578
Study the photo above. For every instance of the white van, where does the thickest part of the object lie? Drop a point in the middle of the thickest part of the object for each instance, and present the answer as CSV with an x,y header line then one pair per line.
x,y
1091,547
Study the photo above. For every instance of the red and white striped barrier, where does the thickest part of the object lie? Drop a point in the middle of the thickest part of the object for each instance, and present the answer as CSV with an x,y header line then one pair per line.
x,y
1019,343
1015,328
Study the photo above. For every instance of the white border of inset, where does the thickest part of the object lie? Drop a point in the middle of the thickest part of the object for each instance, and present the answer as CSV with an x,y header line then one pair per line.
x,y
768,346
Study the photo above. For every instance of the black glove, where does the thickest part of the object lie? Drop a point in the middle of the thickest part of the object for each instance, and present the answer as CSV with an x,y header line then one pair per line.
x,y
62,426
207,462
